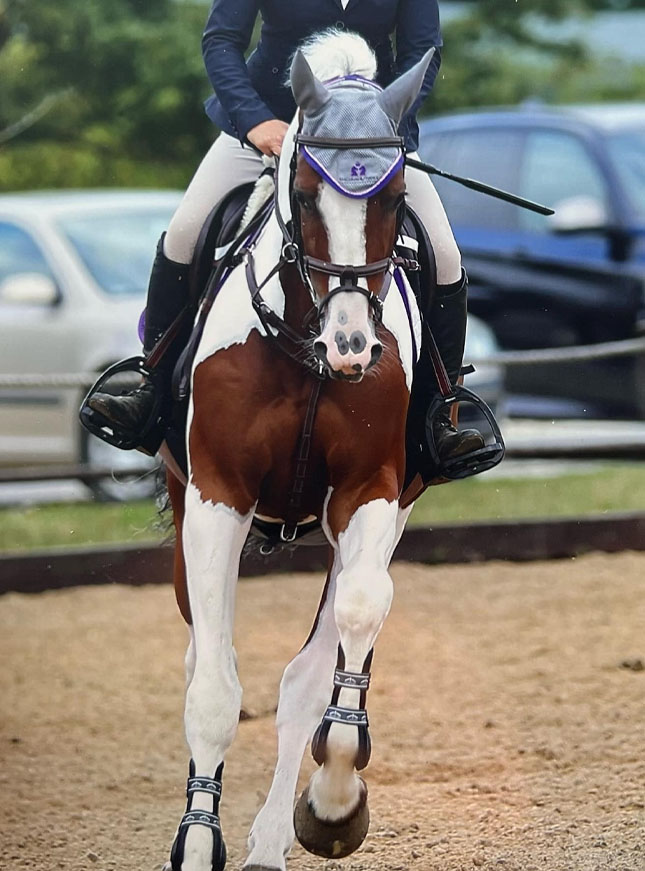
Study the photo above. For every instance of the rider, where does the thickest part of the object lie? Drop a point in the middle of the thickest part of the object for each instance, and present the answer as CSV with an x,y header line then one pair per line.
x,y
252,106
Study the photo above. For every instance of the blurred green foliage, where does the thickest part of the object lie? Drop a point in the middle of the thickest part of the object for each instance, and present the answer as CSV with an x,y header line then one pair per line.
x,y
109,92
496,55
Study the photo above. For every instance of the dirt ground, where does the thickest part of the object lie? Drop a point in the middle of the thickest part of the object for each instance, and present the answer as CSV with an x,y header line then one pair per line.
x,y
507,710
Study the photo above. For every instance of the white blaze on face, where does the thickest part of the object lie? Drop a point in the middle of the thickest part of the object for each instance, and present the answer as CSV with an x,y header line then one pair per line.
x,y
348,334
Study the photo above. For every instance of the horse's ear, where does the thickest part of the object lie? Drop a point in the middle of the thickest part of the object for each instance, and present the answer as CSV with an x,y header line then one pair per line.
x,y
398,97
309,93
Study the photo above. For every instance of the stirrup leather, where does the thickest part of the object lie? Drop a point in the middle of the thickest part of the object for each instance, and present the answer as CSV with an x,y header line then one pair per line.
x,y
148,437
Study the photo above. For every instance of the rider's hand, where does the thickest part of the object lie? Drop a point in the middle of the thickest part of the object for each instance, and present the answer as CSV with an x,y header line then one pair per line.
x,y
268,136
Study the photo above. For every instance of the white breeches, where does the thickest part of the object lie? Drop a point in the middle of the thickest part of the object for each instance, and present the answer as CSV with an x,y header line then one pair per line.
x,y
227,164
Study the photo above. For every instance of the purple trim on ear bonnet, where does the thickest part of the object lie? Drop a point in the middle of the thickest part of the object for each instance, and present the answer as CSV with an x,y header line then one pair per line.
x,y
141,326
357,172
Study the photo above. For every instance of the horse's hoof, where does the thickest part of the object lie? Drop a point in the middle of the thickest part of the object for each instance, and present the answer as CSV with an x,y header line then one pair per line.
x,y
332,840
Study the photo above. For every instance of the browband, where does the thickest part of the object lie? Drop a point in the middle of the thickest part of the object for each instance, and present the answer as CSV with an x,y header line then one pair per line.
x,y
329,142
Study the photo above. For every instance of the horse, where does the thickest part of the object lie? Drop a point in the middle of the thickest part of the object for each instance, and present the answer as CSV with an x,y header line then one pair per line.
x,y
299,393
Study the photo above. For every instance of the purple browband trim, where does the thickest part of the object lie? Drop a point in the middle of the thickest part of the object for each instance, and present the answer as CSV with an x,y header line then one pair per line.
x,y
379,185
353,78
398,279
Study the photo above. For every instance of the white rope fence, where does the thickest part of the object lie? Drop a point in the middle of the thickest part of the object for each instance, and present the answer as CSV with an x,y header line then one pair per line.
x,y
600,351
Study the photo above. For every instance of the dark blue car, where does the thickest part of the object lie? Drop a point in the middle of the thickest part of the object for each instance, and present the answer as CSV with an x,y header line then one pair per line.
x,y
575,278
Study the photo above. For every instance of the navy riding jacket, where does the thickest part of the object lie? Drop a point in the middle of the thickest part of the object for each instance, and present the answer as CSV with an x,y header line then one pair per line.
x,y
248,93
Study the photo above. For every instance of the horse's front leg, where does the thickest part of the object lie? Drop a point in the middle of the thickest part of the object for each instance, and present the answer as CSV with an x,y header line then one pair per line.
x,y
331,817
304,694
213,537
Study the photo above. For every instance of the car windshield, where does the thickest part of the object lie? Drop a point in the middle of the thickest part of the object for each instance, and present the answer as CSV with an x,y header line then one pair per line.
x,y
117,247
627,149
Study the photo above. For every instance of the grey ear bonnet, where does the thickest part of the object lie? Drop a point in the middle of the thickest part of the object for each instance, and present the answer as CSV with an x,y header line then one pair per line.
x,y
399,96
309,93
352,107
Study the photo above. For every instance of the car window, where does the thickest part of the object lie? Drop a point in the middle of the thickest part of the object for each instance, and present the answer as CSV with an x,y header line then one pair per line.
x,y
491,156
557,166
118,247
19,253
627,150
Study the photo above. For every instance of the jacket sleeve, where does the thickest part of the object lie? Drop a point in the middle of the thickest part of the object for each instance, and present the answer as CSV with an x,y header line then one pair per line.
x,y
417,30
227,35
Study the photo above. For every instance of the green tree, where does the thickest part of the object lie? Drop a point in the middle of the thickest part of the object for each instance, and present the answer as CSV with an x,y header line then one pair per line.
x,y
496,54
124,78
109,92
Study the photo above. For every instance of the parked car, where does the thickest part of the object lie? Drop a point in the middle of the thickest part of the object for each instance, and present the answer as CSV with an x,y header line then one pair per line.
x,y
575,278
74,268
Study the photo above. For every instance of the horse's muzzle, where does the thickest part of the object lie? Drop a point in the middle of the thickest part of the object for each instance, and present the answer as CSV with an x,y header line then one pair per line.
x,y
348,358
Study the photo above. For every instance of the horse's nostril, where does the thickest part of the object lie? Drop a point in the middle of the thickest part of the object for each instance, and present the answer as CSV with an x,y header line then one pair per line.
x,y
357,367
357,342
375,356
320,350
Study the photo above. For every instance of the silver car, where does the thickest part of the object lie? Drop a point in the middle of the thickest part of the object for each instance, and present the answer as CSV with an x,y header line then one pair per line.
x,y
74,269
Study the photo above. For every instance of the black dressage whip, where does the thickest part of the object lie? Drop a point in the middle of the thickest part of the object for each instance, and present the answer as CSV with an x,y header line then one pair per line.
x,y
481,187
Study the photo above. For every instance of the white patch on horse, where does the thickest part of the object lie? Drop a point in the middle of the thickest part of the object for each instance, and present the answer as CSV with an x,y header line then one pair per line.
x,y
213,537
395,320
363,599
233,317
305,691
348,317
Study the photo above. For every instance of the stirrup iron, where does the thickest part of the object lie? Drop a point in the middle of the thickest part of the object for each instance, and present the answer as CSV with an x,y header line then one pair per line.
x,y
474,462
148,437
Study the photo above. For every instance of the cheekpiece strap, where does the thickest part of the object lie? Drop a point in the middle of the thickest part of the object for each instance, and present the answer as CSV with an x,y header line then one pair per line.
x,y
351,680
349,716
204,784
201,818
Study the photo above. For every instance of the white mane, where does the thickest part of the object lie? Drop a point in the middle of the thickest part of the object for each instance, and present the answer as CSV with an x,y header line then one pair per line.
x,y
335,52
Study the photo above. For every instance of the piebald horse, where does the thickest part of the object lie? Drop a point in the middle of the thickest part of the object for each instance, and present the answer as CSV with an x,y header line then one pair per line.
x,y
247,428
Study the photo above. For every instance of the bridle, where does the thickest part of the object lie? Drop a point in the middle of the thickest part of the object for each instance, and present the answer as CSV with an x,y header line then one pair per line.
x,y
348,274
293,253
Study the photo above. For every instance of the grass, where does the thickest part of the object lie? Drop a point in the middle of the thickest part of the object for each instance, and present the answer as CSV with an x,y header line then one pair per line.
x,y
619,487
44,526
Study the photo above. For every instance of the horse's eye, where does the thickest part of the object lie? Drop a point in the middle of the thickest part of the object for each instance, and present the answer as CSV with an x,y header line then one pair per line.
x,y
305,201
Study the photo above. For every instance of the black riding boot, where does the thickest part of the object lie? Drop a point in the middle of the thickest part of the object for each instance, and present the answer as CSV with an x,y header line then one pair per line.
x,y
167,297
447,319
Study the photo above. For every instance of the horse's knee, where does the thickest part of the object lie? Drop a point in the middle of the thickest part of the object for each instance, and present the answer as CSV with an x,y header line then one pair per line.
x,y
212,711
363,599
